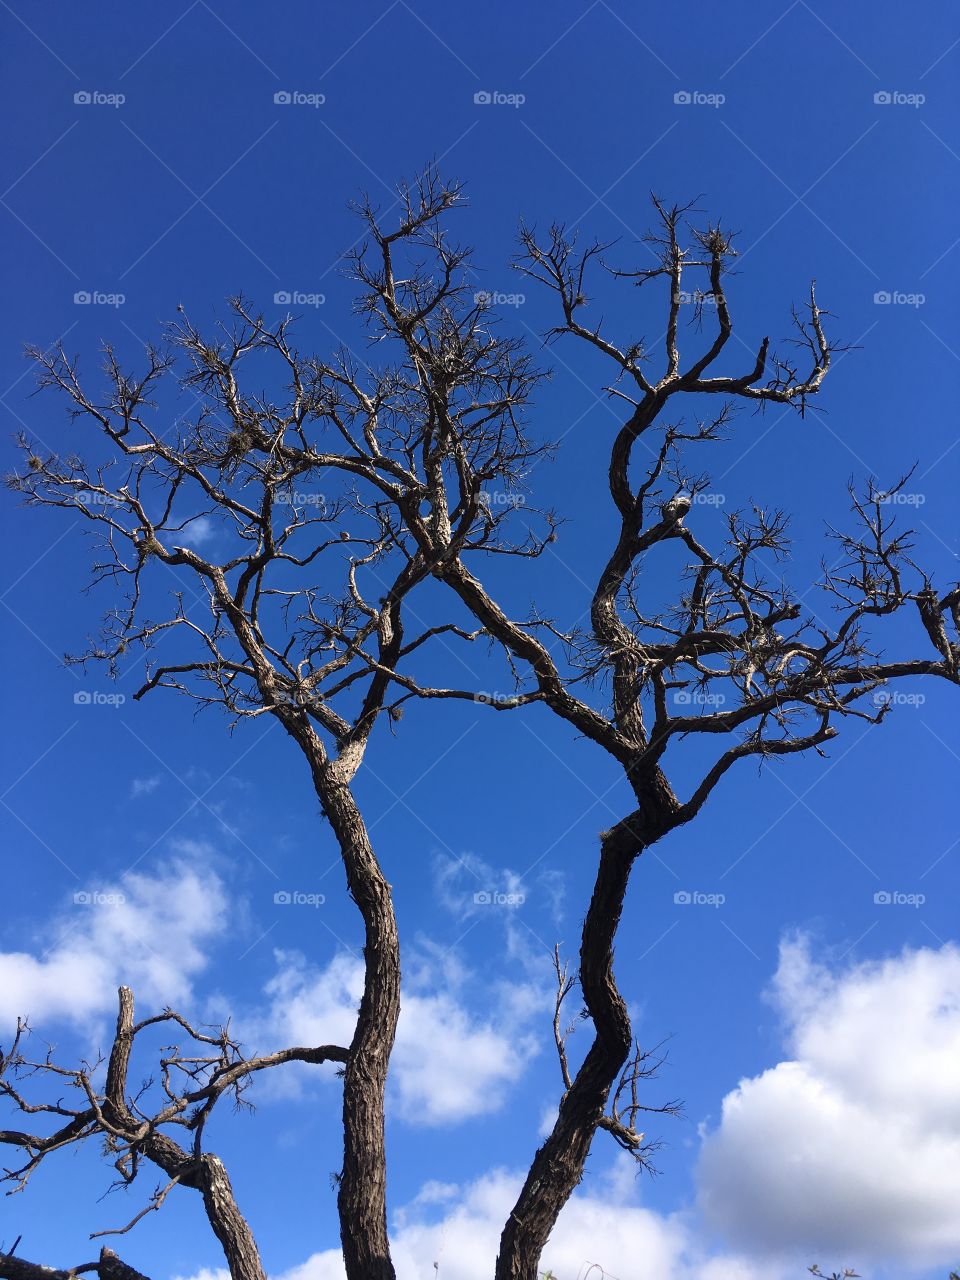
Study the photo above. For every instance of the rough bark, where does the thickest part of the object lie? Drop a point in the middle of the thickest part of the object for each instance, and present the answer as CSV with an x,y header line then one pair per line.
x,y
108,1267
206,1174
362,1196
558,1165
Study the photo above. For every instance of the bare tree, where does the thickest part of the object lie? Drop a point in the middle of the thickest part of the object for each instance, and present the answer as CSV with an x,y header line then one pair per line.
x,y
136,1127
108,1266
302,618
419,442
728,620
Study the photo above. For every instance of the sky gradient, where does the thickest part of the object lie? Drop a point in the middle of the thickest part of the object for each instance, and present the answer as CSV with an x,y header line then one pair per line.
x,y
179,155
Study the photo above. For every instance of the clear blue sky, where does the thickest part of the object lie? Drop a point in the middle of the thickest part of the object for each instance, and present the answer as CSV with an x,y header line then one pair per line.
x,y
199,185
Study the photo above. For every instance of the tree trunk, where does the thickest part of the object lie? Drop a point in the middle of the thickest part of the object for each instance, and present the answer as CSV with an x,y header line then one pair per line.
x,y
207,1175
362,1199
558,1165
229,1225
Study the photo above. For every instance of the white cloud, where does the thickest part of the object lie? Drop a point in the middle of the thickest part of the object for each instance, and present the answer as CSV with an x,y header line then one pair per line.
x,y
145,786
468,886
147,931
607,1227
449,1063
852,1146
311,1005
197,532
847,1152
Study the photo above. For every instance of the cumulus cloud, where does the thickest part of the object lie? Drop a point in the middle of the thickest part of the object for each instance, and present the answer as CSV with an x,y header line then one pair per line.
x,y
449,1063
848,1151
852,1145
459,1229
149,931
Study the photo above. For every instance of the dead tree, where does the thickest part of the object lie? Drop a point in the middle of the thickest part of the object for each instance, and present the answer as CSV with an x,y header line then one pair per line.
x,y
137,1127
300,617
108,1266
420,442
727,620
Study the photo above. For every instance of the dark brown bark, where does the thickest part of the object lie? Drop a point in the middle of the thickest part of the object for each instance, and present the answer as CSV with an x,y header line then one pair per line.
x,y
228,1223
362,1197
108,1267
558,1165
113,1268
206,1174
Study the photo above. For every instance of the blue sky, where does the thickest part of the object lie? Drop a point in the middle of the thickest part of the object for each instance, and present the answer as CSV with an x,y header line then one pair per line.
x,y
198,184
